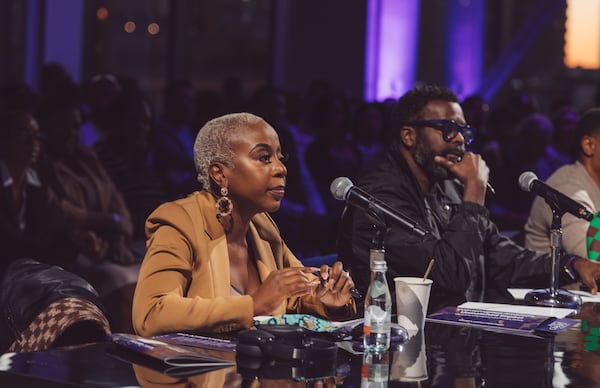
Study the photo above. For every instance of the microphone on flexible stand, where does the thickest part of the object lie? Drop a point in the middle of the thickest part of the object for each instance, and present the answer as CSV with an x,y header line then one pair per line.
x,y
343,189
556,200
559,203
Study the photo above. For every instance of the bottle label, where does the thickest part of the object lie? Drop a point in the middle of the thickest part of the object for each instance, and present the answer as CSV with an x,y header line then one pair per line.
x,y
366,328
376,320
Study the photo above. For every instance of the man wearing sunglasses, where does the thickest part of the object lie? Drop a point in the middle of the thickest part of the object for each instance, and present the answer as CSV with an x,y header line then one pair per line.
x,y
429,175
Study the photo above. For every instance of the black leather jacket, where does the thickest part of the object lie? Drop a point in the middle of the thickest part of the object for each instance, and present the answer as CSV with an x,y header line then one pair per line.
x,y
473,261
28,287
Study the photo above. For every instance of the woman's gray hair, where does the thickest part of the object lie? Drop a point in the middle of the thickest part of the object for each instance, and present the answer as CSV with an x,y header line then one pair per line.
x,y
214,142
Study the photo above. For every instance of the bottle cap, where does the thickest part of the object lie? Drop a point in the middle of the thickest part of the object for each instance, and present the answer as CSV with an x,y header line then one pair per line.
x,y
378,265
376,255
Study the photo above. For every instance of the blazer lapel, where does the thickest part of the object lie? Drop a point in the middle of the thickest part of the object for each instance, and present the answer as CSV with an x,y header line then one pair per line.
x,y
218,259
266,261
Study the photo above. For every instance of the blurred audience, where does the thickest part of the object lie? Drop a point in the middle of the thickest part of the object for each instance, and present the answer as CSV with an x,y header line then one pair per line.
x,y
368,126
26,226
126,155
99,95
476,114
535,151
532,150
325,134
332,154
565,119
56,83
302,215
173,140
17,95
94,211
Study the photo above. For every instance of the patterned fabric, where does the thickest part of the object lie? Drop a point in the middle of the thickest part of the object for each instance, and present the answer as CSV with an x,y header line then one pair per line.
x,y
306,321
593,237
54,320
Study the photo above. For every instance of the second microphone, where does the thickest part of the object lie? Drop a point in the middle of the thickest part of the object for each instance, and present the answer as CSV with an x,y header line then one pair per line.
x,y
343,189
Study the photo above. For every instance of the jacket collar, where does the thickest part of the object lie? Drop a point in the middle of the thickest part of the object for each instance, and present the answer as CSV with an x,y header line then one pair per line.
x,y
31,177
261,233
207,202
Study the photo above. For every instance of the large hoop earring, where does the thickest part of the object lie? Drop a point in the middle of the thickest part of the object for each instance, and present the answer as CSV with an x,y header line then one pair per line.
x,y
224,205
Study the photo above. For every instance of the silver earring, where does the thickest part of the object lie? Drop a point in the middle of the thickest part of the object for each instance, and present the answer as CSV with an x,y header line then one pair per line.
x,y
224,205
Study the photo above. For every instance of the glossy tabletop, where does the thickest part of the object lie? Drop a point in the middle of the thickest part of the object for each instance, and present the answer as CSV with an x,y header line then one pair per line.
x,y
441,356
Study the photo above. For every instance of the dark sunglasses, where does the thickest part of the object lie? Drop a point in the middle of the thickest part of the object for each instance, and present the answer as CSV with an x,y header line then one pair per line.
x,y
449,128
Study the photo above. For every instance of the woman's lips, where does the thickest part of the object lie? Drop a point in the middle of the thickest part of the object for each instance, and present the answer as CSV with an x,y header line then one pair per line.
x,y
278,192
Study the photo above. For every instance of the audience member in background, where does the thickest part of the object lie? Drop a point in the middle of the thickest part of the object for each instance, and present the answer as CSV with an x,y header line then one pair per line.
x,y
173,140
93,210
16,95
579,181
332,154
302,216
26,227
498,152
533,151
368,125
429,176
126,155
99,95
216,259
56,82
476,113
565,119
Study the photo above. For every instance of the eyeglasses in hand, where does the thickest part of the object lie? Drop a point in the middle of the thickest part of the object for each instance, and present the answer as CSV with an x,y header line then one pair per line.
x,y
449,128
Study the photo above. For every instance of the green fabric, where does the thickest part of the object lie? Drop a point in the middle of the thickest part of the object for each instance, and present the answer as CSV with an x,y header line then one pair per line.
x,y
593,238
307,321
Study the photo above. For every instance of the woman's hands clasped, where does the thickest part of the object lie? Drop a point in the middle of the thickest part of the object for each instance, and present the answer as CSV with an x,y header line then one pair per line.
x,y
332,287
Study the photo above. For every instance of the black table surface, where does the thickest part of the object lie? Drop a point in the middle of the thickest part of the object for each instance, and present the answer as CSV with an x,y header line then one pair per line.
x,y
440,356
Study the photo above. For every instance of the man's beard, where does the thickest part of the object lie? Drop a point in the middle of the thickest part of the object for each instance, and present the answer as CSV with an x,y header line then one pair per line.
x,y
423,155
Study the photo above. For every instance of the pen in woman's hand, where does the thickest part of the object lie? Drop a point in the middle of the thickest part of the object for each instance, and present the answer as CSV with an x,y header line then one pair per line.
x,y
356,294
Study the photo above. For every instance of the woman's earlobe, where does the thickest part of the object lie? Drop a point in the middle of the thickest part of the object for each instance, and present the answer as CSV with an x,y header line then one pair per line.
x,y
216,174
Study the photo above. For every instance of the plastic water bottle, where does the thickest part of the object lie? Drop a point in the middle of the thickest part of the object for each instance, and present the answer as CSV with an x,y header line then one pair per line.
x,y
378,307
375,370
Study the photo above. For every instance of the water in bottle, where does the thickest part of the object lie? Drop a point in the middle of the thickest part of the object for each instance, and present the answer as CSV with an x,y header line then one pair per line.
x,y
378,308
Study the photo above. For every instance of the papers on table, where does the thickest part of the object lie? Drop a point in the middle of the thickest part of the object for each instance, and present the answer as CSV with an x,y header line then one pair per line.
x,y
507,318
541,311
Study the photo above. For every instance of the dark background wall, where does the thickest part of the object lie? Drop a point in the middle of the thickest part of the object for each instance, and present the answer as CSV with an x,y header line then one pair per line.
x,y
326,39
286,42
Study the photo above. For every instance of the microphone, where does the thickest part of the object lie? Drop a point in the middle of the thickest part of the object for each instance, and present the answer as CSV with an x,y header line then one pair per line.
x,y
558,201
343,189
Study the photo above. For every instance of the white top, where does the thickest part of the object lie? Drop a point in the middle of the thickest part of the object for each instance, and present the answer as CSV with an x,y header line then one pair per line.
x,y
573,181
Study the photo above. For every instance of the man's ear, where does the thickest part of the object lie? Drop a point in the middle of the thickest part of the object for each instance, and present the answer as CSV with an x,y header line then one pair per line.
x,y
408,136
588,146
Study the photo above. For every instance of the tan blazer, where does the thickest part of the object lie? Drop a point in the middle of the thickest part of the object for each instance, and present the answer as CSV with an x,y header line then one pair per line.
x,y
184,281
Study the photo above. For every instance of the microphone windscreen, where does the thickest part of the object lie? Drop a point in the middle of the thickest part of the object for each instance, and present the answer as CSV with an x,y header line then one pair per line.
x,y
592,239
340,187
526,180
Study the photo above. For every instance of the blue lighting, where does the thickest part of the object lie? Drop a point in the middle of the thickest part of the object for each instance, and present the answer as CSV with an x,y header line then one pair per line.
x,y
464,46
391,48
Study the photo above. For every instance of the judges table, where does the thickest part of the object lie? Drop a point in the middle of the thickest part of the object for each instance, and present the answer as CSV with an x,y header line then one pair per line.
x,y
441,356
